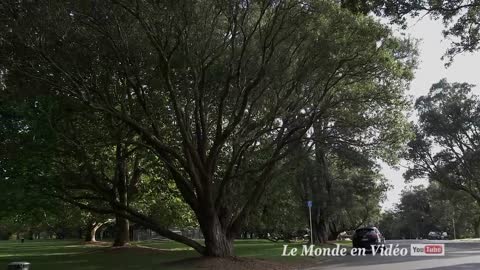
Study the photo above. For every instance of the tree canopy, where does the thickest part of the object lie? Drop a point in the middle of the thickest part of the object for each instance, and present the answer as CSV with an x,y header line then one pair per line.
x,y
208,97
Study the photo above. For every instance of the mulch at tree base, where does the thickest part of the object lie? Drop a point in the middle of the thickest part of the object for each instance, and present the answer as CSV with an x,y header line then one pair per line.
x,y
212,263
97,243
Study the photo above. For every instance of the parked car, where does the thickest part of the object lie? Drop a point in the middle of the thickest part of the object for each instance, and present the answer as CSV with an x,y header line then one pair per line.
x,y
367,237
437,235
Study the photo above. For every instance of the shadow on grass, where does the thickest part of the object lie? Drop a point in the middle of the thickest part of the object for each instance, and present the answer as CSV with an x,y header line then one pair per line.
x,y
165,255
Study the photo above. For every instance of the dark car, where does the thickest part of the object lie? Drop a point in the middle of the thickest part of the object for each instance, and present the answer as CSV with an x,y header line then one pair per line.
x,y
366,237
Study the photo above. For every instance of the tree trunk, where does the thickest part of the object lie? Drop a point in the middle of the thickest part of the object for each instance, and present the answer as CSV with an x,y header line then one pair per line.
x,y
320,231
219,245
321,194
122,225
318,185
476,227
102,232
90,232
217,242
122,231
333,236
334,231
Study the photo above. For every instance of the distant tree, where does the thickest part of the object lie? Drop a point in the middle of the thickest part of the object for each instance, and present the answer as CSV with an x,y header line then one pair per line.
x,y
455,207
280,203
447,144
388,224
347,198
434,208
26,208
362,125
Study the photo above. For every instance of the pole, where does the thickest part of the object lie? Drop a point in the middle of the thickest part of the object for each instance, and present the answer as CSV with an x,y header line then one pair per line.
x,y
311,228
453,223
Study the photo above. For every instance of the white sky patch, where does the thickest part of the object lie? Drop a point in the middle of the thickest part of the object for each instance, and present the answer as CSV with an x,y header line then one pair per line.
x,y
431,68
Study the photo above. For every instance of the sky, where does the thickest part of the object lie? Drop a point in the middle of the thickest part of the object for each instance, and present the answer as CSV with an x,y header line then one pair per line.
x,y
432,46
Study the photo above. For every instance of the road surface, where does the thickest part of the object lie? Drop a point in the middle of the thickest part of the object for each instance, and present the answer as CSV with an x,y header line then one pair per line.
x,y
461,255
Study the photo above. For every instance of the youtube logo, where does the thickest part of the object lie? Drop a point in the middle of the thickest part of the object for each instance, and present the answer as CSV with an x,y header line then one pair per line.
x,y
427,249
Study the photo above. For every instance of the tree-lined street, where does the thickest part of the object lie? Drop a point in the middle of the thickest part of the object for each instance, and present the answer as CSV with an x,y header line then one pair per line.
x,y
206,124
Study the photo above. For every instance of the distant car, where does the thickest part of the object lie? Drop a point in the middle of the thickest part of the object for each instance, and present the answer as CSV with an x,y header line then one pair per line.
x,y
433,236
437,235
367,237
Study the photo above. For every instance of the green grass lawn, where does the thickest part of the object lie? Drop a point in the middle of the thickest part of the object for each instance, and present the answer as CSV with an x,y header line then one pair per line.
x,y
73,255
347,243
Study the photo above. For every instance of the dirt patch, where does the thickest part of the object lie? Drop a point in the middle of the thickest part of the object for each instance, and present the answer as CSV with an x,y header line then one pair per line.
x,y
237,263
132,249
209,263
97,243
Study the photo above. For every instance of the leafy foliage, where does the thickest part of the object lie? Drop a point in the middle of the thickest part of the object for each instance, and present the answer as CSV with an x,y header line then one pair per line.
x,y
446,147
215,93
460,18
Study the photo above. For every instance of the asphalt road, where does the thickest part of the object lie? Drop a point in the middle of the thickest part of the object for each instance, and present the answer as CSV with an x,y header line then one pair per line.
x,y
460,255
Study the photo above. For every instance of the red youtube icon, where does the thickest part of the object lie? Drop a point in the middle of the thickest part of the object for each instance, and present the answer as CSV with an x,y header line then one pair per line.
x,y
433,249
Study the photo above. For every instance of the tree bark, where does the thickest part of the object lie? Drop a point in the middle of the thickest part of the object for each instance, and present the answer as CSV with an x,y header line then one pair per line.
x,y
334,231
122,231
333,236
122,225
476,227
90,232
320,231
321,193
30,235
217,241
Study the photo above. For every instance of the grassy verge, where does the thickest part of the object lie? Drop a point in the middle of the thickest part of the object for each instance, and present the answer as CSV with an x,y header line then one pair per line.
x,y
347,243
167,255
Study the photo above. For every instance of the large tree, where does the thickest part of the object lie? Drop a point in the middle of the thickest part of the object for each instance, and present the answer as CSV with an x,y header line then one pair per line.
x,y
97,167
447,144
26,160
344,196
217,90
364,123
